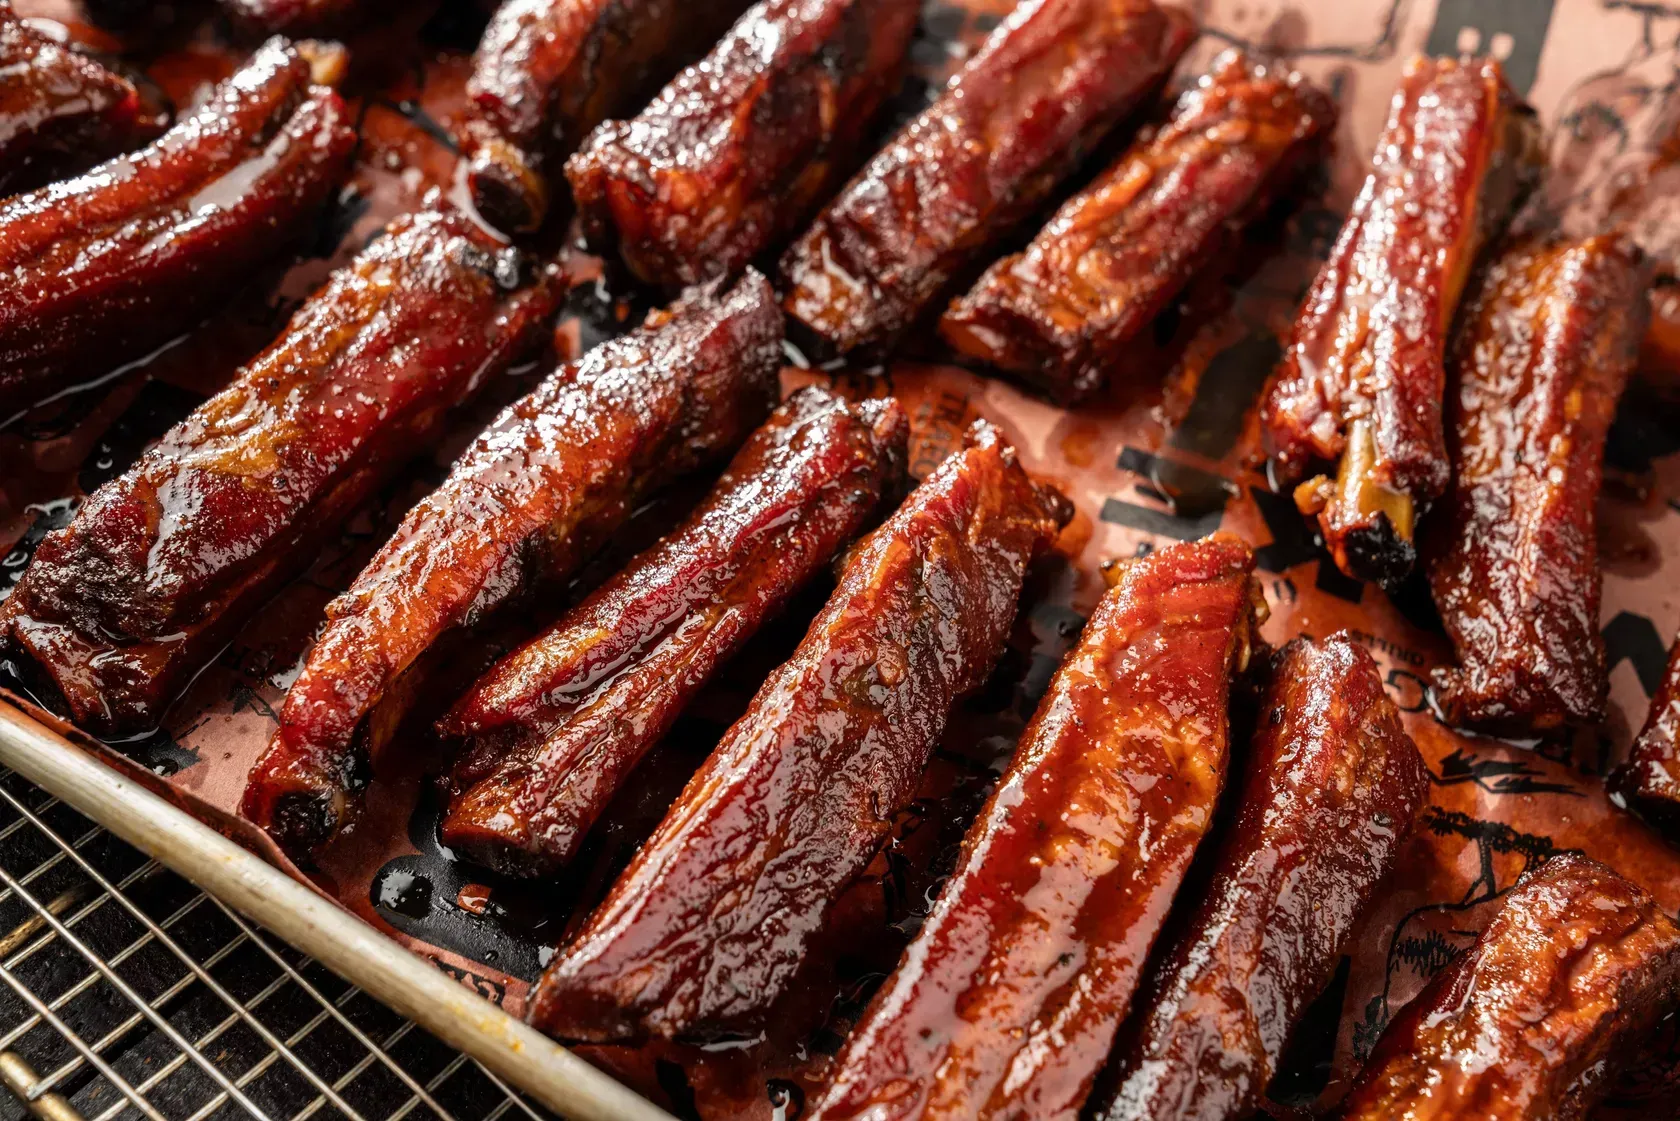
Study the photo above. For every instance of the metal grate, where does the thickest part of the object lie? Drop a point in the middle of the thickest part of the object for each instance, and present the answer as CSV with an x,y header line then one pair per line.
x,y
127,993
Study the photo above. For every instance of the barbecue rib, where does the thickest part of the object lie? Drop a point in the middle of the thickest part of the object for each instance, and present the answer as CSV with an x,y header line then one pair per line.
x,y
552,476
737,152
1062,314
1050,82
1540,361
1333,787
1364,377
61,112
548,71
709,923
1649,782
557,726
1537,1018
119,609
1007,1002
98,270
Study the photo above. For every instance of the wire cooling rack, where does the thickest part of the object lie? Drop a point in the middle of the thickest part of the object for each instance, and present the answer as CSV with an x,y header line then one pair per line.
x,y
126,992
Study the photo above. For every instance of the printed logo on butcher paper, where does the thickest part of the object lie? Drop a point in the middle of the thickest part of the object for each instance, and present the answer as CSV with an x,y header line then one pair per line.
x,y
1613,150
1513,31
1431,936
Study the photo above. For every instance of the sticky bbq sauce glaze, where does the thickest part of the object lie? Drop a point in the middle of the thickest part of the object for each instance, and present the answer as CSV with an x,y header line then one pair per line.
x,y
406,88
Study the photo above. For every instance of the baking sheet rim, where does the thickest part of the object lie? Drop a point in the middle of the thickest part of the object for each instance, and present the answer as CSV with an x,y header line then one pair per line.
x,y
344,943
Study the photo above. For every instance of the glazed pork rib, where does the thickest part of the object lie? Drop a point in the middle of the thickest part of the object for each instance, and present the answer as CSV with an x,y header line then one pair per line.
x,y
318,17
1050,82
119,609
555,474
1537,1018
1649,782
736,153
1334,784
61,112
1007,1002
557,726
1540,362
1061,314
548,71
709,923
98,270
1363,379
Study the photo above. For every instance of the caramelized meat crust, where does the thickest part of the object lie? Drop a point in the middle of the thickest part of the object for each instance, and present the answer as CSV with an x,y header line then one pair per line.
x,y
1649,782
98,270
119,609
61,112
1061,314
548,71
1334,784
538,491
1007,1002
1050,82
557,726
1538,1017
707,926
1540,361
737,152
1363,379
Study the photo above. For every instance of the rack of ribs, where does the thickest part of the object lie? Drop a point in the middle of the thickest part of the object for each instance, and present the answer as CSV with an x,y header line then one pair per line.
x,y
1512,554
1362,382
1334,785
555,728
99,270
1538,1017
160,566
1061,314
61,111
556,473
736,153
1007,1002
1052,81
715,914
547,72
